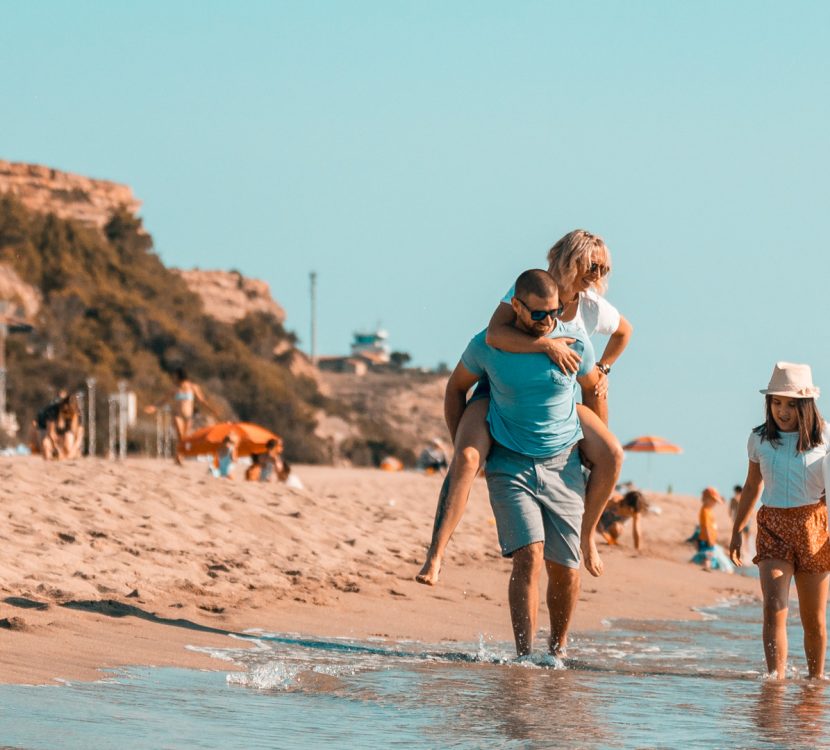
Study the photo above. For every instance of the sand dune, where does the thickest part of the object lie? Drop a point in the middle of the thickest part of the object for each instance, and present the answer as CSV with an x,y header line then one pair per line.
x,y
107,564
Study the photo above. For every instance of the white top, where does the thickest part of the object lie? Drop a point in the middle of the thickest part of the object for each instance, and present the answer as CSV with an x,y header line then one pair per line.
x,y
791,479
594,314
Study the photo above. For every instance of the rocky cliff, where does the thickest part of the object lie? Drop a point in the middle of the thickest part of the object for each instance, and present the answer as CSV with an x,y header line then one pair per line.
x,y
68,196
229,296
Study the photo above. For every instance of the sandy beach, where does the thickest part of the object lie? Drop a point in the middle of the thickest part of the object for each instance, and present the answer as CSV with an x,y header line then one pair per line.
x,y
107,564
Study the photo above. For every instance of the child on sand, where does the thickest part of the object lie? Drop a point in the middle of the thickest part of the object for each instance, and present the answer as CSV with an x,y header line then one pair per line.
x,y
709,553
226,457
254,471
786,454
620,508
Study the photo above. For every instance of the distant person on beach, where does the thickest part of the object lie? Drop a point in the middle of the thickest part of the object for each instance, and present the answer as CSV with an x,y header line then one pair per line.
x,y
270,461
48,440
621,508
734,502
786,454
710,555
254,470
69,428
579,263
534,473
433,458
226,457
184,398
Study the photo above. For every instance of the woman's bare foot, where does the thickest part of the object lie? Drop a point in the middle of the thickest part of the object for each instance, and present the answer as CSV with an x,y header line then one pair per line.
x,y
429,573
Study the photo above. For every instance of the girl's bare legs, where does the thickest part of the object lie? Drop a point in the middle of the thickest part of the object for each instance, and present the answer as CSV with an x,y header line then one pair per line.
x,y
775,587
605,456
812,606
472,444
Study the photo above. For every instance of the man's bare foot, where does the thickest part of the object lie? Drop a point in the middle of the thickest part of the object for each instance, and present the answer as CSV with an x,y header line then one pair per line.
x,y
179,460
429,573
591,558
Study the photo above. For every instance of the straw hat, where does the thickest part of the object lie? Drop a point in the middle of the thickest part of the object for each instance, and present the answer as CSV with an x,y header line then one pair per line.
x,y
795,381
712,494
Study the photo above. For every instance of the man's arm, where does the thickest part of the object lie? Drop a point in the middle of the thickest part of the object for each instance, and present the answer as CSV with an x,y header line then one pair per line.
x,y
503,334
455,396
597,404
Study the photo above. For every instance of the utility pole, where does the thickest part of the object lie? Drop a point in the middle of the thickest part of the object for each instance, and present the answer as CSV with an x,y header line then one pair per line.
x,y
313,278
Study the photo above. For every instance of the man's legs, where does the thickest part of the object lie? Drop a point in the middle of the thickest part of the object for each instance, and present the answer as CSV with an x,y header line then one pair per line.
x,y
523,595
563,592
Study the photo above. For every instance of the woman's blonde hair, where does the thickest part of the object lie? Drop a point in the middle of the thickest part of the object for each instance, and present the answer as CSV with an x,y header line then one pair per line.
x,y
572,256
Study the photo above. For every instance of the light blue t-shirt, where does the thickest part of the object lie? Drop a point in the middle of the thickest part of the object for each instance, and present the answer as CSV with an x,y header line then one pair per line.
x,y
532,402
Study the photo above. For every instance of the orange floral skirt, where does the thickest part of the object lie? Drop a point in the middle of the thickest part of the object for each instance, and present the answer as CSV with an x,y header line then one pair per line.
x,y
797,535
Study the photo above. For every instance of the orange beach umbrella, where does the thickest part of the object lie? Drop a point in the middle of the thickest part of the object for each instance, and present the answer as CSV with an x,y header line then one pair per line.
x,y
651,444
252,438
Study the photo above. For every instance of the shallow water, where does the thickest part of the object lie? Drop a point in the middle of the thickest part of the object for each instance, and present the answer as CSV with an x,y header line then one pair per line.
x,y
636,685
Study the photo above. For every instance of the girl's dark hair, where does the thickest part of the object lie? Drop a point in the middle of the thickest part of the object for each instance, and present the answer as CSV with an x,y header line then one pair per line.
x,y
810,425
636,501
181,374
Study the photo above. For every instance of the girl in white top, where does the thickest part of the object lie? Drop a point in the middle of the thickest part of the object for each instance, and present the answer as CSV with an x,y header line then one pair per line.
x,y
580,263
786,455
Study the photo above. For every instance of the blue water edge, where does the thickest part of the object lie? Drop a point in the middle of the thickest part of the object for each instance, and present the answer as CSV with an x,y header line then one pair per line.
x,y
636,685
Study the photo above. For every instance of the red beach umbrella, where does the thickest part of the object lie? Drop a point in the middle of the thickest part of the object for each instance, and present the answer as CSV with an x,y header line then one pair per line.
x,y
651,444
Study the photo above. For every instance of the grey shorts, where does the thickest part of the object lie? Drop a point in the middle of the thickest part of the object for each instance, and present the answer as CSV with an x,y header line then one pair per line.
x,y
538,500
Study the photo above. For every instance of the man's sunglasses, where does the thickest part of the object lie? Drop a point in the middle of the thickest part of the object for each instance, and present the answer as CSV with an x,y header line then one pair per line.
x,y
598,268
539,315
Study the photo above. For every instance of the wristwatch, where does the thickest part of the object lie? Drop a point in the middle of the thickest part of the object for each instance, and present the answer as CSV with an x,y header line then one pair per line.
x,y
604,369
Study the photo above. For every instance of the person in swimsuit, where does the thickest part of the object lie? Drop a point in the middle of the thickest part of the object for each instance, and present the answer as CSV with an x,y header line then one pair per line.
x,y
226,457
579,263
184,397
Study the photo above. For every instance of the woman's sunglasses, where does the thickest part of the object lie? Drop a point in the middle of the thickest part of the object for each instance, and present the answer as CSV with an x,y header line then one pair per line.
x,y
539,315
598,268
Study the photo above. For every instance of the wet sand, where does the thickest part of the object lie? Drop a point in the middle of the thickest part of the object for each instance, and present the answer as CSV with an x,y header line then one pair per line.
x,y
109,564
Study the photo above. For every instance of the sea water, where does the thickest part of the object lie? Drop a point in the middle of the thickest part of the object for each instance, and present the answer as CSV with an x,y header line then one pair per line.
x,y
634,685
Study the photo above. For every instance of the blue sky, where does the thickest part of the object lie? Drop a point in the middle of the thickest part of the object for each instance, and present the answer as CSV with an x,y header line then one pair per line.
x,y
419,155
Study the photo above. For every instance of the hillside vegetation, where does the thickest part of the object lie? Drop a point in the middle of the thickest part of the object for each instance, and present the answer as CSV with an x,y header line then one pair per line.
x,y
112,310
